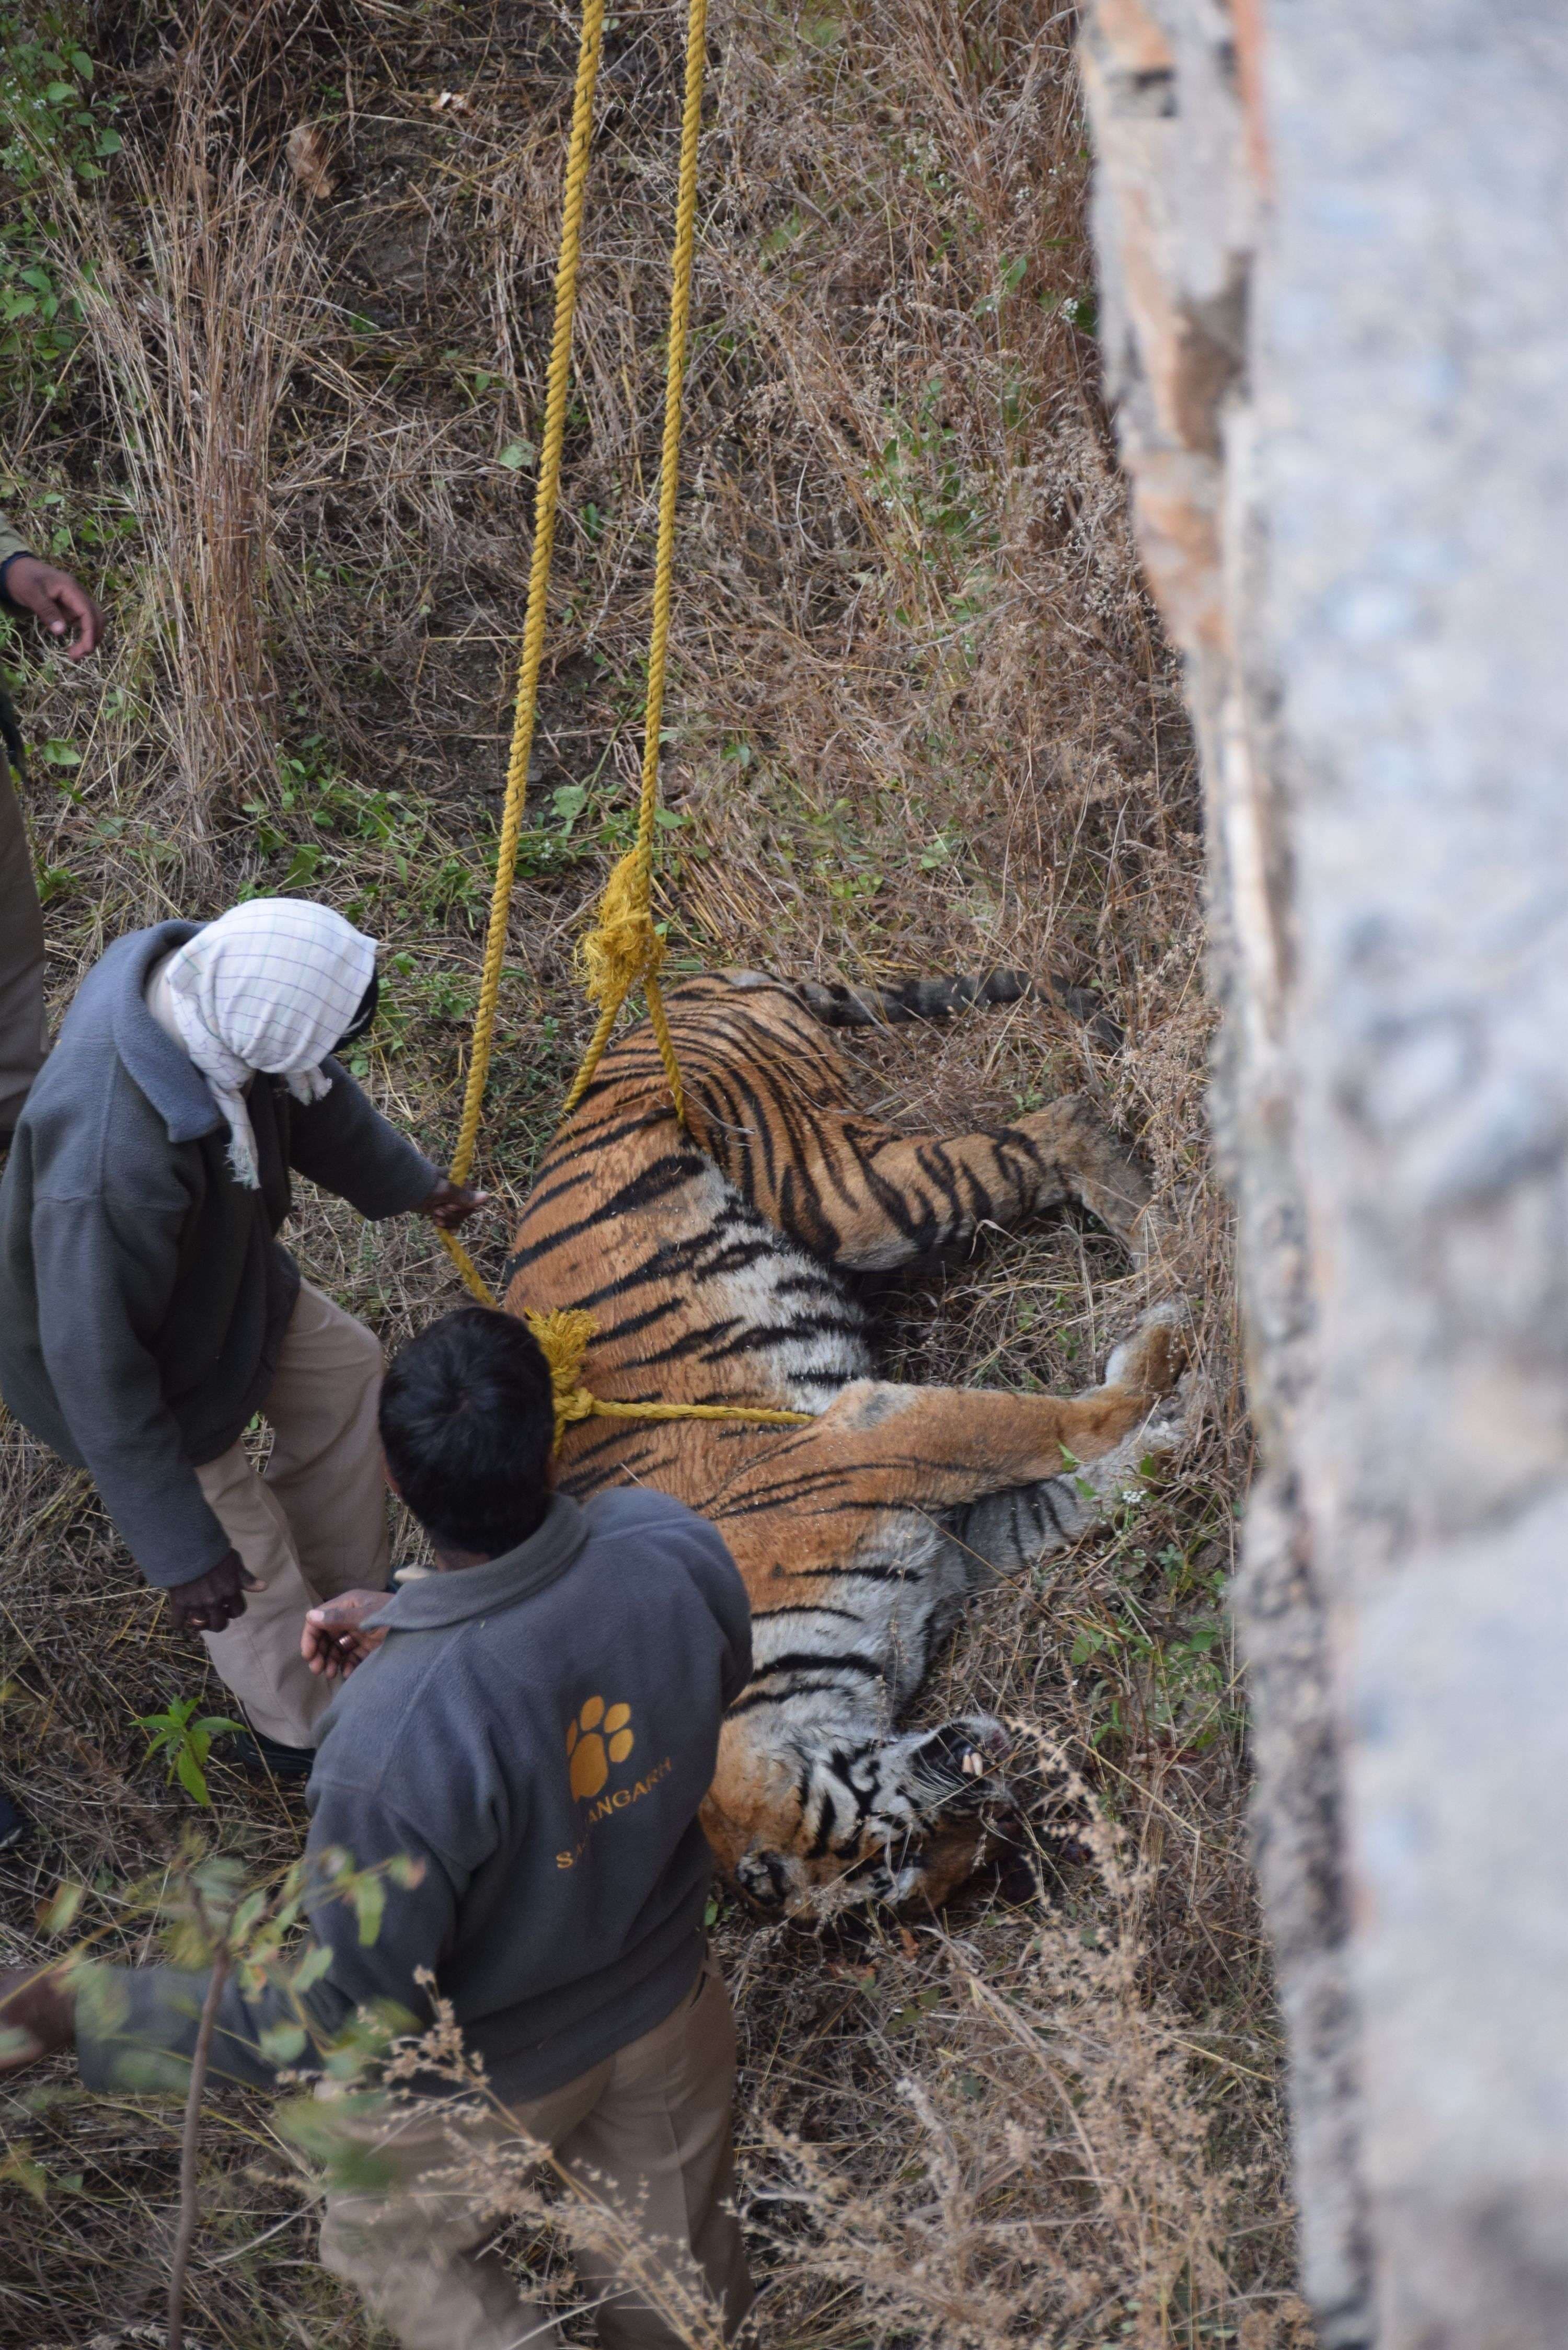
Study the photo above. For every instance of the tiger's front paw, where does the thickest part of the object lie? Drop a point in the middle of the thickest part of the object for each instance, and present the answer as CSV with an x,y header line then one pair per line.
x,y
1153,1360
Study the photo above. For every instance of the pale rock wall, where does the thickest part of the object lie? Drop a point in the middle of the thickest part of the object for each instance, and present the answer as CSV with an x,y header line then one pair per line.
x,y
1334,246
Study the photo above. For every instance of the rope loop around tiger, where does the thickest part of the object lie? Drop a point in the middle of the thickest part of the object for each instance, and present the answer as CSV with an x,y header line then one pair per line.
x,y
564,1339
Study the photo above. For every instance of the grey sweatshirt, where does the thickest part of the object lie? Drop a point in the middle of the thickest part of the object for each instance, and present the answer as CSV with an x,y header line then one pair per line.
x,y
539,1732
143,1295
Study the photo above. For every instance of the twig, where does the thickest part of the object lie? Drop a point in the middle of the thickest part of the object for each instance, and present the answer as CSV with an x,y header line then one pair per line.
x,y
191,2131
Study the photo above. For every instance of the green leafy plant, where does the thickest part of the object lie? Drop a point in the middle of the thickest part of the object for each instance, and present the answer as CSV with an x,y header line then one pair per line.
x,y
919,478
942,848
208,1918
185,1743
1014,271
51,123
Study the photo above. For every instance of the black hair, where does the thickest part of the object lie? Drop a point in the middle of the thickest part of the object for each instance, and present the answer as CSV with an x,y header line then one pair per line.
x,y
364,1012
468,1424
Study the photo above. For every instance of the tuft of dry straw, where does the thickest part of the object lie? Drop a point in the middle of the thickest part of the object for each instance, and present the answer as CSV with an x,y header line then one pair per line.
x,y
194,326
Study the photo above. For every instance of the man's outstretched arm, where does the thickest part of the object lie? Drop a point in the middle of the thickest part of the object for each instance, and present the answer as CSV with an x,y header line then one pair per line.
x,y
134,2028
56,601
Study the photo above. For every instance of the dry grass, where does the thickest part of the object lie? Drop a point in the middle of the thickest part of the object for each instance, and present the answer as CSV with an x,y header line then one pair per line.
x,y
921,719
194,333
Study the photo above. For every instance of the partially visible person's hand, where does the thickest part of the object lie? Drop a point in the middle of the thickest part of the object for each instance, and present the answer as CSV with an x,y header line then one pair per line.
x,y
450,1204
55,598
37,2015
212,1600
332,1641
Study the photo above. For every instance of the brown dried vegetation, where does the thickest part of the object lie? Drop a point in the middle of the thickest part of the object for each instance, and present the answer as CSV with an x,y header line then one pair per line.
x,y
921,718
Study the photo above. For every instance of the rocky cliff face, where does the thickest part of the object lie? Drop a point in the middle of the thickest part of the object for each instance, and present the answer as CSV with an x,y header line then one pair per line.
x,y
1335,302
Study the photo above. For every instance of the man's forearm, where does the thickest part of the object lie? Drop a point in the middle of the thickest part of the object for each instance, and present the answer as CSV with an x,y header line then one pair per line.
x,y
153,1499
136,2029
343,1143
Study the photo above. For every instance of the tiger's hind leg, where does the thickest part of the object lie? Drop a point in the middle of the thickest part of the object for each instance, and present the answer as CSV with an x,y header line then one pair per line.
x,y
843,1535
1007,1533
768,1099
867,1198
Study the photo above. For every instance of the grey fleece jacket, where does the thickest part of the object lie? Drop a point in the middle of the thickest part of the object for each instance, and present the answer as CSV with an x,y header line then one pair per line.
x,y
143,1295
539,1732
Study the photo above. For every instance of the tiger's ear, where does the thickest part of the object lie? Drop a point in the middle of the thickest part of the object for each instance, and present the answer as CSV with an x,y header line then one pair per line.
x,y
764,1878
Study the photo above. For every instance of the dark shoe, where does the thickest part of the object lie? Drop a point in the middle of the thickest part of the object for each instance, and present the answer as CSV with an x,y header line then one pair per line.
x,y
14,1825
268,1758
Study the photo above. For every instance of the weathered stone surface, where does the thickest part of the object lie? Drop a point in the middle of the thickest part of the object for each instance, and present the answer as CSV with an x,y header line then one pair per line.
x,y
1336,292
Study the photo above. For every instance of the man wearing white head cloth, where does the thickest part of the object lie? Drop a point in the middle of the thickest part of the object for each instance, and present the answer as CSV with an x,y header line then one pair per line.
x,y
148,1311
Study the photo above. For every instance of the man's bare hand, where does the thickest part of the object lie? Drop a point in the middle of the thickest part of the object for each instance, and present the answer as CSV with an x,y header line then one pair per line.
x,y
58,602
38,2014
450,1204
213,1599
332,1641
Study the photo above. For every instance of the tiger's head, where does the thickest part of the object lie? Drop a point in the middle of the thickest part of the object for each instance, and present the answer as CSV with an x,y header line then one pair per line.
x,y
907,1818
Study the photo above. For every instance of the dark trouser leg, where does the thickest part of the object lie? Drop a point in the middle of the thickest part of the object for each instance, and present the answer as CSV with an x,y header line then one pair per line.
x,y
21,961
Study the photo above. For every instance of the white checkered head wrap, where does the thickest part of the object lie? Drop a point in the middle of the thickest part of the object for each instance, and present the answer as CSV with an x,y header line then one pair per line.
x,y
271,985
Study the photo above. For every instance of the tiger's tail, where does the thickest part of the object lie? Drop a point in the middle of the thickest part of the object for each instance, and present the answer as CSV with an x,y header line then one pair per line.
x,y
837,1006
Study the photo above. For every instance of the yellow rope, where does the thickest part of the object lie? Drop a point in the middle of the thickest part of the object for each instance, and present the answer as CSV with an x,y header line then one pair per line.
x,y
545,503
624,946
563,1338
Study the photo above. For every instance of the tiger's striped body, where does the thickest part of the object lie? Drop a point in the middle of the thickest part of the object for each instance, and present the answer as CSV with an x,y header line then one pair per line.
x,y
718,1263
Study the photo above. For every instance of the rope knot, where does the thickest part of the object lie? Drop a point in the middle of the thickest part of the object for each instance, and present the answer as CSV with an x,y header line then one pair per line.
x,y
564,1339
624,946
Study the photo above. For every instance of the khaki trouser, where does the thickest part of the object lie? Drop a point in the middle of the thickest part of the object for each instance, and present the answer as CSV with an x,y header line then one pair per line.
x,y
314,1522
646,2136
21,961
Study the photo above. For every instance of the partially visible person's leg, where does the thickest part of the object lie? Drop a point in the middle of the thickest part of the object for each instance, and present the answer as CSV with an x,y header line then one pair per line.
x,y
647,2134
257,1656
313,1524
409,2248
21,961
657,2146
325,1467
21,1032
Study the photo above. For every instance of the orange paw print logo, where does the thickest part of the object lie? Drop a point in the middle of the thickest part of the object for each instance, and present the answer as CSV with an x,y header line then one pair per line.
x,y
596,1739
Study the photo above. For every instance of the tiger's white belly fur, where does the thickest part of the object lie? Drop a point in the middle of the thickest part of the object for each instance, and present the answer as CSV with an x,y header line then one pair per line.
x,y
775,1295
831,1683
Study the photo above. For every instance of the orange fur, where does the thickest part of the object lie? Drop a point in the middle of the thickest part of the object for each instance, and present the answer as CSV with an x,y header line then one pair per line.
x,y
714,1263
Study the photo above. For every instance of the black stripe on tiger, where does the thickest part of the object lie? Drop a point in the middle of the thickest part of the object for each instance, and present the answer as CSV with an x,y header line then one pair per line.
x,y
905,1000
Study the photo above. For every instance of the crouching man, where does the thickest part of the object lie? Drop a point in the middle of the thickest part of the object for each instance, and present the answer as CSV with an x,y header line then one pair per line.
x,y
148,1310
536,1723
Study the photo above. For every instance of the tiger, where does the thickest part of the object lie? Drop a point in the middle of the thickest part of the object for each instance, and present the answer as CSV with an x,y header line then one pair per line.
x,y
718,1257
